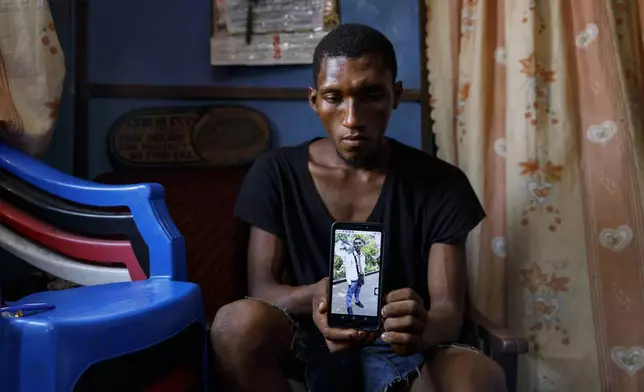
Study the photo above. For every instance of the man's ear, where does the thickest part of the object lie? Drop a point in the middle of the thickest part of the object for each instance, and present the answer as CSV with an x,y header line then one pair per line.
x,y
398,90
313,99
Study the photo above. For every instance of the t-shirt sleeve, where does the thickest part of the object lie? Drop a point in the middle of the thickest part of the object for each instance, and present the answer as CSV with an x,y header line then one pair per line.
x,y
455,213
259,202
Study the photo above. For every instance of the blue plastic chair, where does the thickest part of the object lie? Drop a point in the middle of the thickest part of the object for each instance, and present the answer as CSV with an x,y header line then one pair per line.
x,y
50,351
4,352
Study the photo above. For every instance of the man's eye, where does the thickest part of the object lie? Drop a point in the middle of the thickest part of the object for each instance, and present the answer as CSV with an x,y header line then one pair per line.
x,y
375,96
333,98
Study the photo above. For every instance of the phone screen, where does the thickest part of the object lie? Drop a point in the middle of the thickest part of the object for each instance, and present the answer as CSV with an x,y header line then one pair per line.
x,y
355,275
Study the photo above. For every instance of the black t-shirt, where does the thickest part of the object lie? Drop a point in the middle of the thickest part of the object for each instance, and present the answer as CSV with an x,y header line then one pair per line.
x,y
424,200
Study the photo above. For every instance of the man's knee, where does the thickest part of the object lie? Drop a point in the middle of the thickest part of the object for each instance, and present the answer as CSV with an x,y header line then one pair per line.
x,y
248,326
456,369
487,375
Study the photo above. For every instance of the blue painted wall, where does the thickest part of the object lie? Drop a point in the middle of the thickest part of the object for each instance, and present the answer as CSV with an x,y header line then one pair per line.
x,y
166,42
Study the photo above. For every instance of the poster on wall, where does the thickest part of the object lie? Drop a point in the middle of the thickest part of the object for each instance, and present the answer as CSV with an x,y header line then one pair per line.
x,y
269,32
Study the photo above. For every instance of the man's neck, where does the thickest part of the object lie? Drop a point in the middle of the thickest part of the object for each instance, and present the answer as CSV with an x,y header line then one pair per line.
x,y
378,162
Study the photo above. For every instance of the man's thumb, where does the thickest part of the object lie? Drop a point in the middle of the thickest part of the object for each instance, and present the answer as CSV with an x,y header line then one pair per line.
x,y
322,308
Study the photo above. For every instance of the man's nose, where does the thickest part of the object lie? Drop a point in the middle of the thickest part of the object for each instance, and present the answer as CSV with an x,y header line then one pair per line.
x,y
353,116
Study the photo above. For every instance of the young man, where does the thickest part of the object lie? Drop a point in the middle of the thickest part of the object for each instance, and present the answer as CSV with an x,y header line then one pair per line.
x,y
292,196
354,266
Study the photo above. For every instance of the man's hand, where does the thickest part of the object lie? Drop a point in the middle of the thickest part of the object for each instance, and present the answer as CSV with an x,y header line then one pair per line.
x,y
405,319
336,339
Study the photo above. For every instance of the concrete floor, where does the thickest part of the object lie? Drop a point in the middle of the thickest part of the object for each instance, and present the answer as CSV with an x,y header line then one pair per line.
x,y
367,297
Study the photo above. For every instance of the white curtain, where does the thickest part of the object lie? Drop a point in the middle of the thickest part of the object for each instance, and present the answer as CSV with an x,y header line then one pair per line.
x,y
540,103
32,72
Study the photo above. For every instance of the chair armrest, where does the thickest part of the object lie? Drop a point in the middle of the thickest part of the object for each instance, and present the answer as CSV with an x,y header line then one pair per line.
x,y
75,189
494,336
145,201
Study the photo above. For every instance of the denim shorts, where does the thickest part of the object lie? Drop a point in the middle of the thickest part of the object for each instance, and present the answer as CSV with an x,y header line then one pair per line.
x,y
373,368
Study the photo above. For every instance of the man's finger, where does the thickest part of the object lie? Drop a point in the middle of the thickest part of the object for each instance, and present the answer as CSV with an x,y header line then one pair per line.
x,y
321,293
400,338
407,323
340,335
365,337
403,308
402,295
325,285
323,306
371,337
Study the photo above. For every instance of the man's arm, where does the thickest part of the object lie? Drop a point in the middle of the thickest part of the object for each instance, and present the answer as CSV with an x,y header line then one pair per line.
x,y
446,278
265,271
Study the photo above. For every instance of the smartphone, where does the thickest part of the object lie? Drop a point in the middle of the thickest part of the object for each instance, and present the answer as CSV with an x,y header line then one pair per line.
x,y
355,279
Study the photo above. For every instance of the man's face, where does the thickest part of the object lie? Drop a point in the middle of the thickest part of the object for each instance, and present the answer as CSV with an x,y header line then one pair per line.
x,y
354,99
358,245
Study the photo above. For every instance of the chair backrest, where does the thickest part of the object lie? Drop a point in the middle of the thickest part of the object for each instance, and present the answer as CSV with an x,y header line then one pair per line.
x,y
77,229
4,350
200,155
33,241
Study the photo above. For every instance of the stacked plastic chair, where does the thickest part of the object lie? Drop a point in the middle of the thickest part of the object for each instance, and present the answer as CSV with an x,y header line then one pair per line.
x,y
4,355
70,332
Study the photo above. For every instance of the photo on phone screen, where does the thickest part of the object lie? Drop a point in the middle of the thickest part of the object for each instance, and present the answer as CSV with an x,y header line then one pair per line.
x,y
355,275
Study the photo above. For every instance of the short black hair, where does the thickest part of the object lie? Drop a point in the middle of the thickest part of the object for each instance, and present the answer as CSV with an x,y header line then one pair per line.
x,y
354,40
358,239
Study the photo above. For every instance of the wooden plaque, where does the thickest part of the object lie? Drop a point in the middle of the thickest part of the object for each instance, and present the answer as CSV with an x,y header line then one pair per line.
x,y
225,135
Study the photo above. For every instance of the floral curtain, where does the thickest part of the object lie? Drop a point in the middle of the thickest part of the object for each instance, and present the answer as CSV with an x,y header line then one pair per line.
x,y
32,73
539,102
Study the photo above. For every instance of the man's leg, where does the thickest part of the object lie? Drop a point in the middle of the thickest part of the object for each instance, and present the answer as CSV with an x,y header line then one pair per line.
x,y
350,291
250,338
357,295
459,370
